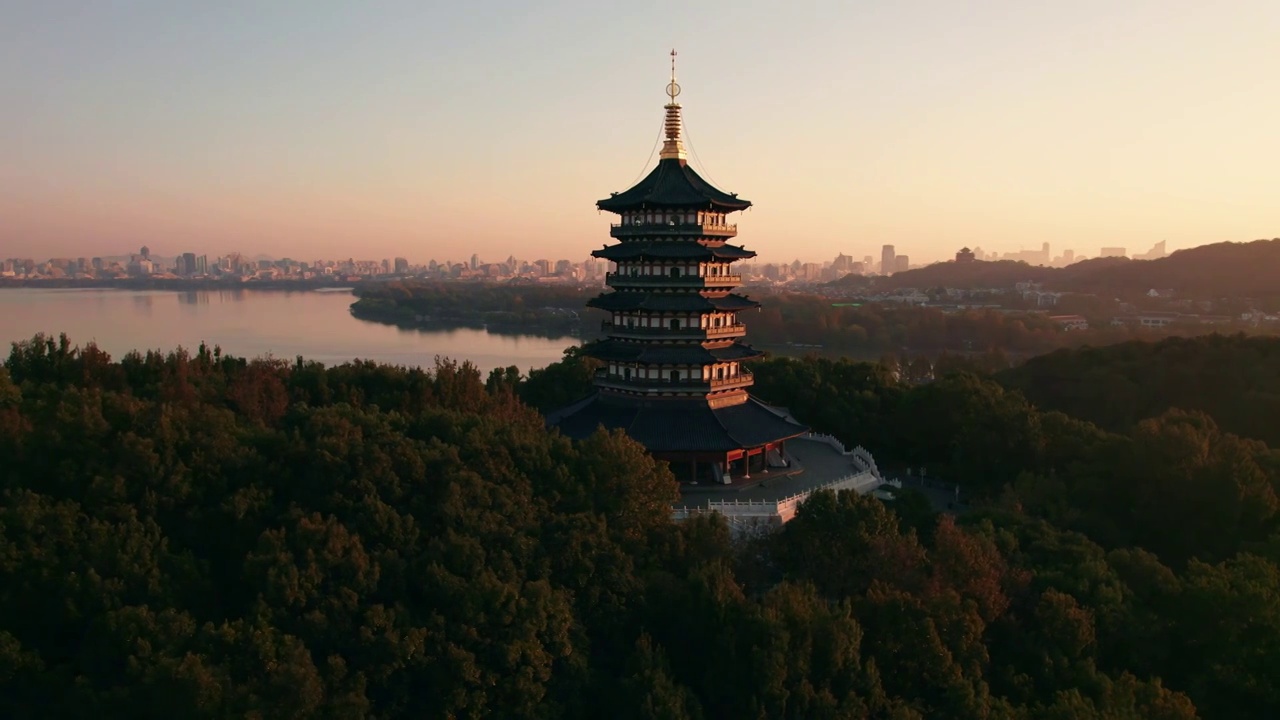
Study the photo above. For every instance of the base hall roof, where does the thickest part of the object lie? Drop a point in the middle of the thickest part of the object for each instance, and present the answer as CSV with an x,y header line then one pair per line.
x,y
679,426
676,302
673,184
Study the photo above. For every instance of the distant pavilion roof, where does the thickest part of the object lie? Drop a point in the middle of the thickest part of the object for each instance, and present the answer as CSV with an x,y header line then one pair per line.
x,y
671,250
680,426
681,302
673,184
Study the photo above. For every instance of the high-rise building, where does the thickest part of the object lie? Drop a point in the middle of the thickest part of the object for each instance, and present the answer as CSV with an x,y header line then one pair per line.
x,y
673,376
186,264
887,264
1112,252
901,263
402,266
1068,256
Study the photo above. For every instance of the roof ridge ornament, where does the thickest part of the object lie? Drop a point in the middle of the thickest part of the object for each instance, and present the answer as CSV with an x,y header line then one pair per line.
x,y
673,148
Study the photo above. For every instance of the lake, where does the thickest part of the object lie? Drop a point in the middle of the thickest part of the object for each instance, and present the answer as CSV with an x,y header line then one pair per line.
x,y
254,323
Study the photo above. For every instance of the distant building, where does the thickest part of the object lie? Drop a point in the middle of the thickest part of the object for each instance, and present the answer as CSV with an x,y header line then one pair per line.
x,y
965,256
901,263
1155,253
1113,252
402,266
887,265
1070,322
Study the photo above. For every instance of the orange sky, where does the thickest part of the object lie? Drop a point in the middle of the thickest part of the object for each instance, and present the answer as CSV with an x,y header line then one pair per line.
x,y
327,129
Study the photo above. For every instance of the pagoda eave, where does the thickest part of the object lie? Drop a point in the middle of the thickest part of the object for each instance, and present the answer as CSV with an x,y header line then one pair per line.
x,y
670,302
673,354
672,251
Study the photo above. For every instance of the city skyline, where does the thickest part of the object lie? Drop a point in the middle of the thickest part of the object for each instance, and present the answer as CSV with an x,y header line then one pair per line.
x,y
867,265
306,130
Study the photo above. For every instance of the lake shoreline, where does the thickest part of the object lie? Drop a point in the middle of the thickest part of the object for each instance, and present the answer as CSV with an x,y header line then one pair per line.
x,y
257,322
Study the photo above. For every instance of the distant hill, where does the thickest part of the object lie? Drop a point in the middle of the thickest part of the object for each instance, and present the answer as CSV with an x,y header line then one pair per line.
x,y
1220,270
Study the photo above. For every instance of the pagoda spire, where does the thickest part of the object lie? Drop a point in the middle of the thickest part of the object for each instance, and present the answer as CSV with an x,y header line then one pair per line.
x,y
673,148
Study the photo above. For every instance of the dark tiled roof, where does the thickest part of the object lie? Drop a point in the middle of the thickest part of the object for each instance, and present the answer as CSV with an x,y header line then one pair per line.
x,y
680,354
673,184
671,250
690,302
679,427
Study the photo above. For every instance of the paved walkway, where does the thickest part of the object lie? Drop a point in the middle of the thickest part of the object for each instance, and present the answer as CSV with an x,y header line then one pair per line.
x,y
818,462
941,495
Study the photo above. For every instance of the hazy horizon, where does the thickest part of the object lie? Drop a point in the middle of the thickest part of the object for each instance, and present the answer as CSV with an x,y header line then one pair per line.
x,y
321,129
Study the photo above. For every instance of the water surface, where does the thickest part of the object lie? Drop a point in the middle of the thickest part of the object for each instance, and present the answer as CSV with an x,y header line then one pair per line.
x,y
253,323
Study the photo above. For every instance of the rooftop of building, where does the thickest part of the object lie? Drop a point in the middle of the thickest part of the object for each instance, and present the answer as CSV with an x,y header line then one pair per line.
x,y
680,426
673,184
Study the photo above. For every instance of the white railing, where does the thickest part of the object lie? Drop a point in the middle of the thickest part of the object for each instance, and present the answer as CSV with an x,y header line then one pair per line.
x,y
859,455
779,511
748,517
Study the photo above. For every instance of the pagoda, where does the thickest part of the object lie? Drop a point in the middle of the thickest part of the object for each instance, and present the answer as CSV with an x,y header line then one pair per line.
x,y
673,374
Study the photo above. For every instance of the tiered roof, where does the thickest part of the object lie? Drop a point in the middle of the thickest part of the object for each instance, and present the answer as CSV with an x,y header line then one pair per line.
x,y
670,302
621,350
668,250
673,184
677,426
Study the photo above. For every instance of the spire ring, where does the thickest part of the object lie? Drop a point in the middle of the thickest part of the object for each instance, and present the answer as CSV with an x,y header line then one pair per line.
x,y
673,90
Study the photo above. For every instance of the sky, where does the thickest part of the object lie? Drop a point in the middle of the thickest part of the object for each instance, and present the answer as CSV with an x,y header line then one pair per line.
x,y
330,129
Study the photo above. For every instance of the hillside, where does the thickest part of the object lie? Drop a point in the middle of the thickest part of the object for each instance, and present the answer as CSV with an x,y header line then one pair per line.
x,y
1210,271
1235,380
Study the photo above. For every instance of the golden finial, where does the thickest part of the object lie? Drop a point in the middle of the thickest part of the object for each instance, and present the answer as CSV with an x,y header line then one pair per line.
x,y
673,147
673,89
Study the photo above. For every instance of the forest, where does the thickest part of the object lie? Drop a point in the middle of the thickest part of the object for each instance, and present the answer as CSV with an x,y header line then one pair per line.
x,y
197,535
526,308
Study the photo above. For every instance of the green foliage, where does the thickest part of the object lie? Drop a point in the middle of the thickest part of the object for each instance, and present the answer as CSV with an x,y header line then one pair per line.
x,y
202,536
551,310
1234,379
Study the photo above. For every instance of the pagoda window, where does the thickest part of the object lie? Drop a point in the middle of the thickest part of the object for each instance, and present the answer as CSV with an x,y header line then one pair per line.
x,y
675,324
626,373
675,272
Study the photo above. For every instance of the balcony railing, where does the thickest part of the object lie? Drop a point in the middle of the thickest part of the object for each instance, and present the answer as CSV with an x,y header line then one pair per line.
x,y
617,279
618,381
624,330
691,229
